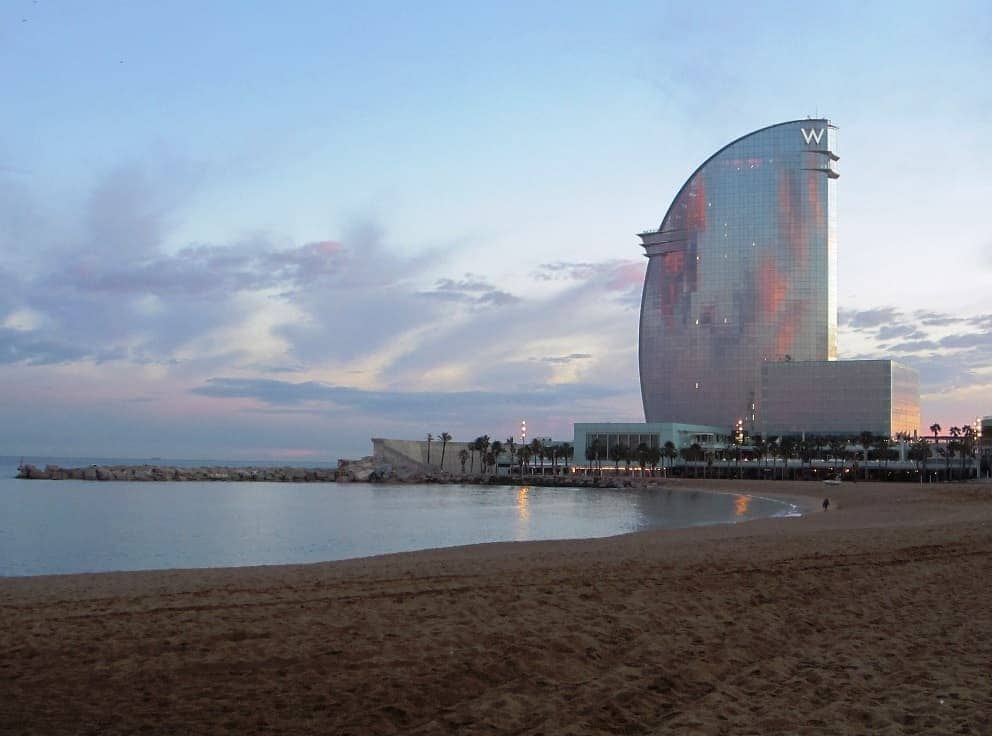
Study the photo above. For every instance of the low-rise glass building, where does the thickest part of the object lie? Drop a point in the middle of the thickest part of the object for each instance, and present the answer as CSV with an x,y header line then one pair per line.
x,y
839,397
653,434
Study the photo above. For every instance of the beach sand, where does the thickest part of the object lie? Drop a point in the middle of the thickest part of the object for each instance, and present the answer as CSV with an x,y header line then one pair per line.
x,y
874,617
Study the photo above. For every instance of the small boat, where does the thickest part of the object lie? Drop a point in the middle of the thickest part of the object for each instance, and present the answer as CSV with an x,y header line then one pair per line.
x,y
833,480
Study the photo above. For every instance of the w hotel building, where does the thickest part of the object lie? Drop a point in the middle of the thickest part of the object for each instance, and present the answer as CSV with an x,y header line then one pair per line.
x,y
739,309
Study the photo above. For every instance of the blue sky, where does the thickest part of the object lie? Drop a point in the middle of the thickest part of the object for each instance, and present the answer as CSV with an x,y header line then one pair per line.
x,y
257,229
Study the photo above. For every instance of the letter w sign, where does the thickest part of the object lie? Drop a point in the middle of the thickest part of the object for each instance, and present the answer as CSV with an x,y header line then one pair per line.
x,y
812,135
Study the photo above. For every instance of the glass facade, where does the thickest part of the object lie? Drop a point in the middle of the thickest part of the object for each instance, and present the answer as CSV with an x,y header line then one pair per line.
x,y
741,272
844,397
905,409
632,434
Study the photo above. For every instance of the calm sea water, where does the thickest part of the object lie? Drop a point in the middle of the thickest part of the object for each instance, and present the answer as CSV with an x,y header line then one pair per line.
x,y
78,526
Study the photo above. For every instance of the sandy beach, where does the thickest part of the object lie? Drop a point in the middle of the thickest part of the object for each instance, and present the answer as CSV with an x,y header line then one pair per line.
x,y
874,617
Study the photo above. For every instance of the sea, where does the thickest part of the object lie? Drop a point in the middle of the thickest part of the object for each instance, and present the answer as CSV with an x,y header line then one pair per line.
x,y
68,526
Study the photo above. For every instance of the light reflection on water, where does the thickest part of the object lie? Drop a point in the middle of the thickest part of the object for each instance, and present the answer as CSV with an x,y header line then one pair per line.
x,y
523,514
75,526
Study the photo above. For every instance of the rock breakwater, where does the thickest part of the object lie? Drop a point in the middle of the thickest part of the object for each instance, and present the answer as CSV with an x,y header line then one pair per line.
x,y
172,473
365,470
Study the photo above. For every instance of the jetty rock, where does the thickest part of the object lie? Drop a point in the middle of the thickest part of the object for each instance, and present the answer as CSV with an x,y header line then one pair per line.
x,y
365,470
153,473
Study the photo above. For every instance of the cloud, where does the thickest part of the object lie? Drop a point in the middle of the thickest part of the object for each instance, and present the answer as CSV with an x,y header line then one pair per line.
x,y
423,405
623,279
31,348
967,340
355,308
868,318
888,332
567,271
937,319
112,289
209,270
470,290
914,346
951,364
563,359
275,367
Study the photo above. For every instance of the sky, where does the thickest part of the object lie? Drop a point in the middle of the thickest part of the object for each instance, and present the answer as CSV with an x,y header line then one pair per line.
x,y
275,230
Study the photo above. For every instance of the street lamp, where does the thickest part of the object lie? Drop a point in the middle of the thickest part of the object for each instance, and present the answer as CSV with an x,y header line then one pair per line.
x,y
739,440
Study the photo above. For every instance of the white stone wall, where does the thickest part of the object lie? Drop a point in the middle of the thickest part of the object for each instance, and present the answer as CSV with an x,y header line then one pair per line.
x,y
412,455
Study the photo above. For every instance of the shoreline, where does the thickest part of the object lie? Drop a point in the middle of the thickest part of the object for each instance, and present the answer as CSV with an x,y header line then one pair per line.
x,y
869,617
371,470
793,506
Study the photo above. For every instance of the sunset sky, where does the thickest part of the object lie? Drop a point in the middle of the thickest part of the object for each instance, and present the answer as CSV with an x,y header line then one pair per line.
x,y
261,230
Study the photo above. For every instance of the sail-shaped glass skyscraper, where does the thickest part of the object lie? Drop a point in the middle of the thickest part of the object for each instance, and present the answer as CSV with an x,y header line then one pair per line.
x,y
741,271
738,330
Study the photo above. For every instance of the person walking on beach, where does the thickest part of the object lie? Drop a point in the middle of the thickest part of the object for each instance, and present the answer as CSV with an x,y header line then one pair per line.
x,y
826,504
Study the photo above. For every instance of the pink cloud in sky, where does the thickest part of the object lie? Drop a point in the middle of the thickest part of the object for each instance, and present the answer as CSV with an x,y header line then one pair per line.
x,y
626,275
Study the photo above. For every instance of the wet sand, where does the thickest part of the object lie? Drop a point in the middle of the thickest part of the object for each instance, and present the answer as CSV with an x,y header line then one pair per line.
x,y
874,617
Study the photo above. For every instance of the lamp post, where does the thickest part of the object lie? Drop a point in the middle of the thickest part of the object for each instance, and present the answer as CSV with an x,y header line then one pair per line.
x,y
739,440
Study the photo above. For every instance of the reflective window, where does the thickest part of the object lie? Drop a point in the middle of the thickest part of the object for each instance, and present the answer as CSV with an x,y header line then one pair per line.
x,y
742,271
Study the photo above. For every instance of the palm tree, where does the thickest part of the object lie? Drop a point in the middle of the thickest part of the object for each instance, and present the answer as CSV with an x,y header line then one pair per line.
x,y
818,442
463,457
566,451
900,438
882,449
935,428
866,439
497,450
445,439
760,449
670,452
654,457
551,451
787,448
511,449
524,453
473,447
642,456
942,452
483,449
429,438
967,446
919,451
593,450
617,453
838,450
696,455
537,451
955,432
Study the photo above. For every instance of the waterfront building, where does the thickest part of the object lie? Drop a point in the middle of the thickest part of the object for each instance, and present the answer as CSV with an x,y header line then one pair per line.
x,y
741,271
985,442
842,397
653,434
741,291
